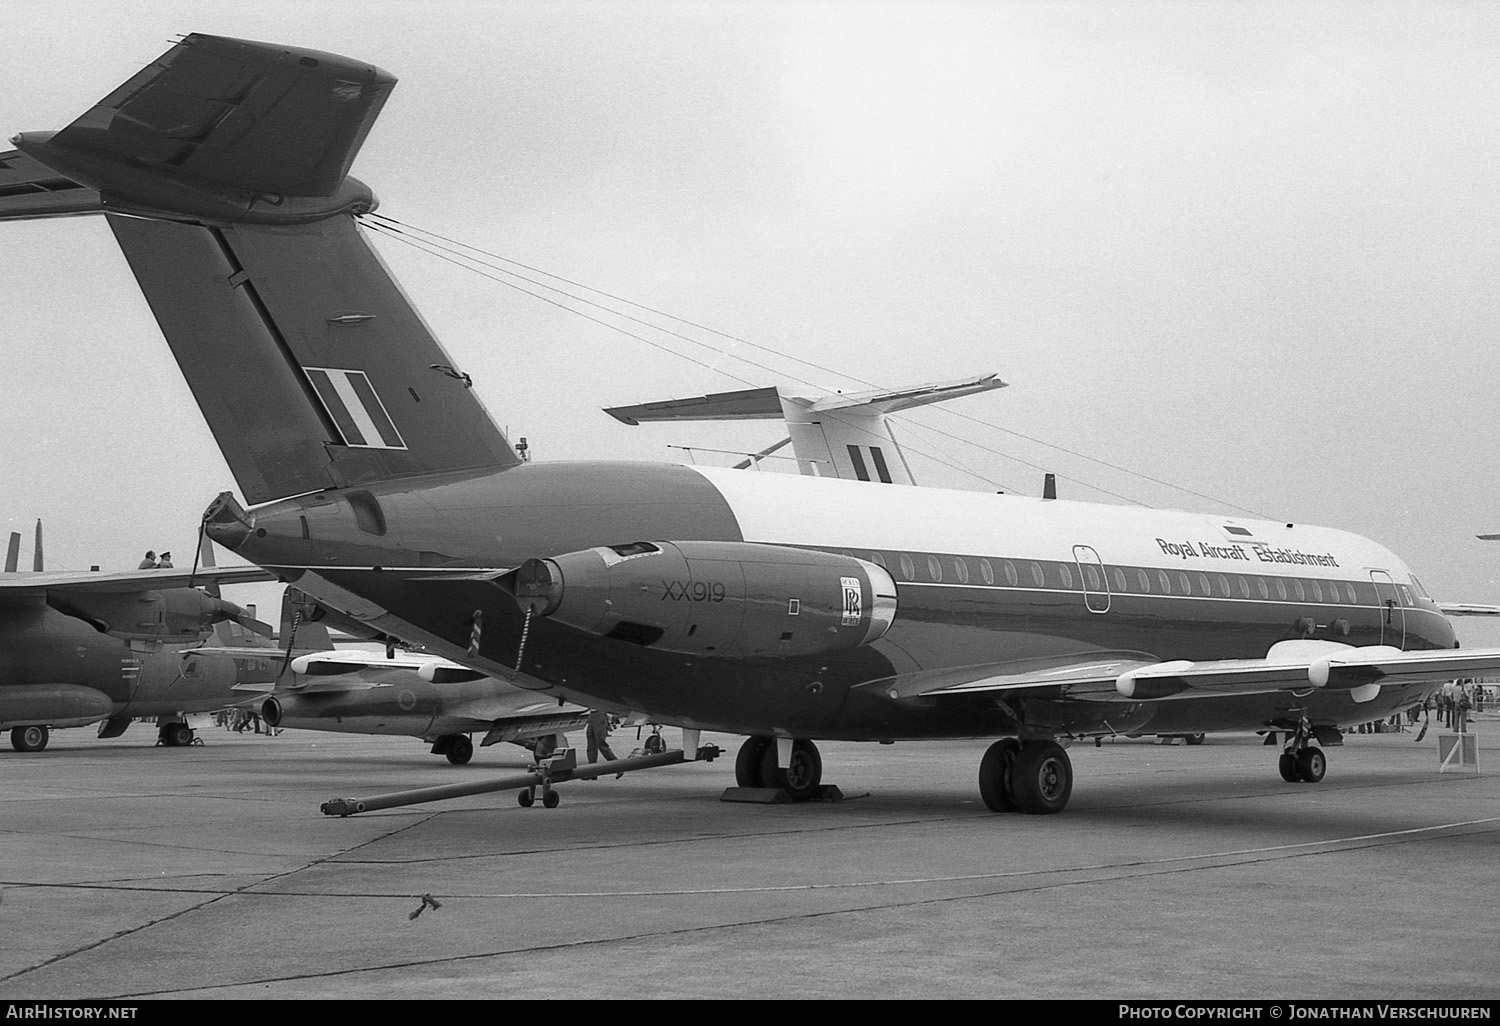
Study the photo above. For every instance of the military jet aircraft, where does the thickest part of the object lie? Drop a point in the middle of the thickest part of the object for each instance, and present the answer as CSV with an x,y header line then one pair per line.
x,y
788,608
79,648
348,690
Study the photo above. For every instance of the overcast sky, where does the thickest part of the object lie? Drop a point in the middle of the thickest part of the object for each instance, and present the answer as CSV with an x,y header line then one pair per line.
x,y
1246,248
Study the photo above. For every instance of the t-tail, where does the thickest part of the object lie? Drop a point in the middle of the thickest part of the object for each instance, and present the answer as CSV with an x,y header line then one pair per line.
x,y
223,171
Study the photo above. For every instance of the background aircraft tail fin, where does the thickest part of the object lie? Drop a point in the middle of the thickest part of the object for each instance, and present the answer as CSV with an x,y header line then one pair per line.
x,y
310,634
231,159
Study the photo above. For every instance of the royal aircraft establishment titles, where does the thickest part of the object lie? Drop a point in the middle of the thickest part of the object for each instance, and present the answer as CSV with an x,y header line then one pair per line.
x,y
1264,553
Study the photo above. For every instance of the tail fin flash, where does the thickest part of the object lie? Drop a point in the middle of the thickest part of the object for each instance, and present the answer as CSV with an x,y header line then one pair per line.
x,y
308,362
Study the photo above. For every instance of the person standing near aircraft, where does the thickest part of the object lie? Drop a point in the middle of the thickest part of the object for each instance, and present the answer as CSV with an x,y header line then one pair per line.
x,y
598,736
149,563
165,562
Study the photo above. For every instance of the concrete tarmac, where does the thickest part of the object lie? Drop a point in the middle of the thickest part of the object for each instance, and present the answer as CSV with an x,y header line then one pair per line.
x,y
130,871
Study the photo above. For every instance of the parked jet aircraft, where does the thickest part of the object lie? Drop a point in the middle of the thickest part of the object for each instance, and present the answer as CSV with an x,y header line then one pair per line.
x,y
81,648
408,693
785,607
847,436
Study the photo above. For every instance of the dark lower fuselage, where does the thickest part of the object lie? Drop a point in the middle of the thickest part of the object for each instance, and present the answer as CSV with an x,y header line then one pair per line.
x,y
981,579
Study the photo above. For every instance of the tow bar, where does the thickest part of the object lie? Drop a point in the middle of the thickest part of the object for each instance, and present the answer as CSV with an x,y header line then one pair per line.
x,y
561,766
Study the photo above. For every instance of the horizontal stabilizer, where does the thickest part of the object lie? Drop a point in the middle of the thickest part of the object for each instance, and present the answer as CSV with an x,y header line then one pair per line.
x,y
746,404
845,436
30,189
258,117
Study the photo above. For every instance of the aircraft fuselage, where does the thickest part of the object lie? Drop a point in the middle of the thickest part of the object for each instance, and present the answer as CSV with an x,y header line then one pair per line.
x,y
981,579
58,671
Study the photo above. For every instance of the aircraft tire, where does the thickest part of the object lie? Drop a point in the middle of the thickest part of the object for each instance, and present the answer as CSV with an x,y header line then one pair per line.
x,y
1042,780
1195,739
550,800
29,739
1311,764
995,779
176,735
801,777
747,763
1287,765
525,798
654,745
460,749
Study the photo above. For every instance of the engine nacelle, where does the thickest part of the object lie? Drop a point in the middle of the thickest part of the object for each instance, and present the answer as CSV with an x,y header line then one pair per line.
x,y
173,614
730,599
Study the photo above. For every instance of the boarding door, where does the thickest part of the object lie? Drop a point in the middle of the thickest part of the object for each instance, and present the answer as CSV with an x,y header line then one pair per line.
x,y
1095,584
1392,614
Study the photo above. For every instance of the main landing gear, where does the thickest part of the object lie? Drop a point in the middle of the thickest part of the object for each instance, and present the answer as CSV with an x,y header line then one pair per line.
x,y
457,747
174,734
1301,761
29,739
1026,776
758,765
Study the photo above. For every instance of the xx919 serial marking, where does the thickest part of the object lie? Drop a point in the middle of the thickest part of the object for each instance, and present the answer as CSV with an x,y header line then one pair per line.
x,y
692,591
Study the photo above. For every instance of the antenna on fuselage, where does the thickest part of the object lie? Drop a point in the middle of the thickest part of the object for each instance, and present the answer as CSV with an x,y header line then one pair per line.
x,y
13,553
37,563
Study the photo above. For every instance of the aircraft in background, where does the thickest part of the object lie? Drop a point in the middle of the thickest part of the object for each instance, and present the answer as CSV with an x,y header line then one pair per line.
x,y
354,691
844,436
108,648
789,608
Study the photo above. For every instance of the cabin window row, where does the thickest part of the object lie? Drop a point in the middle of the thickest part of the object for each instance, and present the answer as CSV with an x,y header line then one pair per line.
x,y
1126,580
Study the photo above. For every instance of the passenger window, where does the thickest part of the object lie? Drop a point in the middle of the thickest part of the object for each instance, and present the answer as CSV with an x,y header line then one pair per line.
x,y
878,559
1223,583
1119,576
1036,575
934,569
1011,577
908,569
986,571
1165,582
1144,580
1349,594
1281,588
1184,586
1260,584
1065,574
1317,591
1301,592
1203,586
1405,594
961,568
1092,576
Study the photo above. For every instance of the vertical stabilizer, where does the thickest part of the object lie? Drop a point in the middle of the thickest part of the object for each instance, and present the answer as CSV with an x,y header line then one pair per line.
x,y
223,167
298,626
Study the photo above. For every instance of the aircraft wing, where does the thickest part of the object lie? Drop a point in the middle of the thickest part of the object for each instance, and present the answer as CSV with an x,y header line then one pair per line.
x,y
1467,609
41,582
1295,666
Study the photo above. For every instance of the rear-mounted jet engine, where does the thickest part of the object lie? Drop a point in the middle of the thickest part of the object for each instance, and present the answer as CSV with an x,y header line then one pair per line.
x,y
728,599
